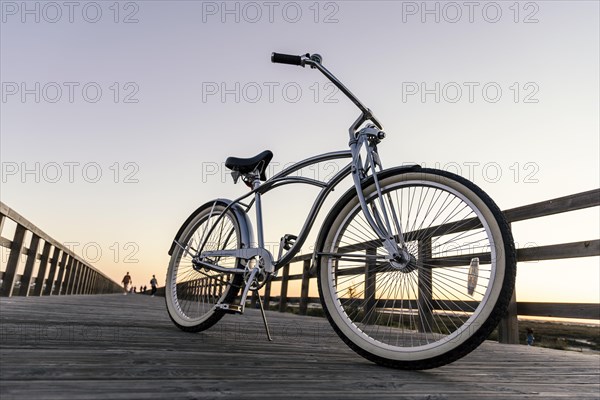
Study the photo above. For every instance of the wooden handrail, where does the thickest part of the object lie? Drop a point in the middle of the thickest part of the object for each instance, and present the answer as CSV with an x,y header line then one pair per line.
x,y
67,272
508,330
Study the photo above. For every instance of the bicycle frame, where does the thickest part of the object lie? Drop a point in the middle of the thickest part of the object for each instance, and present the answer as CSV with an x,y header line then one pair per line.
x,y
281,179
362,140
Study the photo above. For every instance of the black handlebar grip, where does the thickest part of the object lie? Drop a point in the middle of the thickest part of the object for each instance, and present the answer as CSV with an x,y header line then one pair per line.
x,y
286,59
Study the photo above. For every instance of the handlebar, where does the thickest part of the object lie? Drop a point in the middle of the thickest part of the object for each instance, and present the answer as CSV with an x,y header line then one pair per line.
x,y
286,59
315,61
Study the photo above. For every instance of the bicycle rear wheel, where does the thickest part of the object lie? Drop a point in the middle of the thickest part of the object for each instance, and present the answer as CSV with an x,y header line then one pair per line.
x,y
447,301
192,293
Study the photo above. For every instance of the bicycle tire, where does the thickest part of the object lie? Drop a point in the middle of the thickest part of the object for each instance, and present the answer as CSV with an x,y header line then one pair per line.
x,y
414,324
191,294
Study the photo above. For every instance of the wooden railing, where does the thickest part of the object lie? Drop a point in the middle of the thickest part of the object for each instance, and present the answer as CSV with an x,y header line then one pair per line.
x,y
508,329
67,273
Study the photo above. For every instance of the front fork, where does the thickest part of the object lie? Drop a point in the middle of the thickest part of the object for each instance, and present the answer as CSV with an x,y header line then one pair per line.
x,y
376,214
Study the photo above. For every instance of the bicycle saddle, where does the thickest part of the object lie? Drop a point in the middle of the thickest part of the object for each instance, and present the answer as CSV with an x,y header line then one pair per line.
x,y
247,165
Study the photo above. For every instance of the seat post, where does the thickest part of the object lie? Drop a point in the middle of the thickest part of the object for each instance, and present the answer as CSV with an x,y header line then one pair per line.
x,y
259,224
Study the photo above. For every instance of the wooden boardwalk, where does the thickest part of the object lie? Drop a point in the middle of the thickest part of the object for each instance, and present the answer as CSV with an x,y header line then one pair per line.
x,y
125,347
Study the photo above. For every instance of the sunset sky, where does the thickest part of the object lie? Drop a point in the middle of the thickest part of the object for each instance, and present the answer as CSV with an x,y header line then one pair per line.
x,y
116,118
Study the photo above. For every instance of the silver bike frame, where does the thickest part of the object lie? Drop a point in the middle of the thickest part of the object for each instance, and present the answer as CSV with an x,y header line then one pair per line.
x,y
278,180
362,140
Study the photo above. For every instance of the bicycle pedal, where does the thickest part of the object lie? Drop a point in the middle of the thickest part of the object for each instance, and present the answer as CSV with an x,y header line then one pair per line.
x,y
288,240
231,308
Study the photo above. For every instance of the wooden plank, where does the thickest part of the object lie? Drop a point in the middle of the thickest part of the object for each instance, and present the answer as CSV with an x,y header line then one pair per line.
x,y
8,280
370,286
62,273
93,283
253,299
41,274
125,347
29,264
556,310
71,274
558,205
560,310
311,300
586,248
52,273
304,287
267,298
89,283
5,243
425,281
508,329
81,280
284,288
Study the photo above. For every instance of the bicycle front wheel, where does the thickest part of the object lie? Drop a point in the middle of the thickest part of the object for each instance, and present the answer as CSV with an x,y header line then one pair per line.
x,y
447,300
192,293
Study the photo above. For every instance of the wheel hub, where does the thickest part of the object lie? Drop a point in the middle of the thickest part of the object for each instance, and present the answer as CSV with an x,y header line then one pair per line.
x,y
404,262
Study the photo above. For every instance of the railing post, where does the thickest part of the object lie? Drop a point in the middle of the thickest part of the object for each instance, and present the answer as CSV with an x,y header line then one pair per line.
x,y
425,299
370,286
80,279
254,299
305,285
66,270
87,284
54,265
103,285
29,264
88,280
39,280
267,298
72,276
79,274
94,284
13,261
83,280
508,329
62,266
284,288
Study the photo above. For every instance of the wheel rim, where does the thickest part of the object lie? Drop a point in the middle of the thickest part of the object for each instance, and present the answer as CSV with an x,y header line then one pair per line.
x,y
429,310
192,294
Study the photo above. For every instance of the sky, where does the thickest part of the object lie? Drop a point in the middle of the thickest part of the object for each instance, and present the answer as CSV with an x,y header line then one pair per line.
x,y
116,117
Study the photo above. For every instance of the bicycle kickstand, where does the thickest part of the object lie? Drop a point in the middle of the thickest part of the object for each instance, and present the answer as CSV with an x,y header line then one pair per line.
x,y
262,310
264,317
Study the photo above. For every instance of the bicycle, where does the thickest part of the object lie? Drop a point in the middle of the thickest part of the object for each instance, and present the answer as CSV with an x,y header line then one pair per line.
x,y
415,266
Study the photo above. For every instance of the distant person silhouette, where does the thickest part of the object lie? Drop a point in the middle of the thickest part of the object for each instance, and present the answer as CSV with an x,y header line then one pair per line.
x,y
154,284
126,282
530,338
